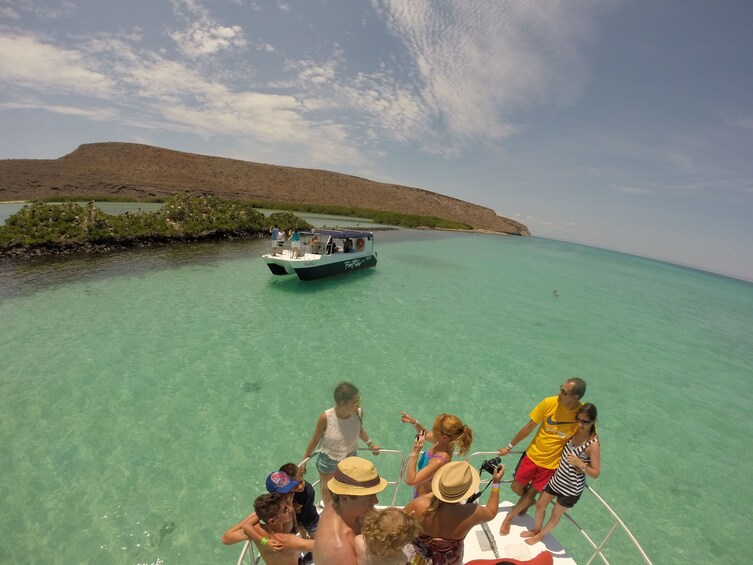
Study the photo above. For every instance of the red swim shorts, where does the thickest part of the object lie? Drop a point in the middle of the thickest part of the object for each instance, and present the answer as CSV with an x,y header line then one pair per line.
x,y
528,472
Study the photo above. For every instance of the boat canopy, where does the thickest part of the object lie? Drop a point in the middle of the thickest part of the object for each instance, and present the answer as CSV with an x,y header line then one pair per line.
x,y
345,234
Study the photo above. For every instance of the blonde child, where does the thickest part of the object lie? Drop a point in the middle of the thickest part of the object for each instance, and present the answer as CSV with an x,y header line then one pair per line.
x,y
383,536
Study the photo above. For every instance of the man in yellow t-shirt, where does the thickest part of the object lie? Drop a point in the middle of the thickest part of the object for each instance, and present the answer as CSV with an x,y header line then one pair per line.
x,y
555,417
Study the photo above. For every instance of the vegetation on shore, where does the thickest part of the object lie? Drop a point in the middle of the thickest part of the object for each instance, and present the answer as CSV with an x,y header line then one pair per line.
x,y
44,227
376,216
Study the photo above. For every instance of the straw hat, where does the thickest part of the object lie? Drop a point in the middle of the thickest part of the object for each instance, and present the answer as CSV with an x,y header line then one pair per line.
x,y
356,476
455,481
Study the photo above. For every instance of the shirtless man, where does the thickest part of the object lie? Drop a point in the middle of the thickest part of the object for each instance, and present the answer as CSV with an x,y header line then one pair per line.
x,y
556,416
354,487
277,520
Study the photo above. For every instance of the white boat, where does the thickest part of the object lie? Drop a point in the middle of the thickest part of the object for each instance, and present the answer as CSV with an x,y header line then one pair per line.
x,y
335,252
484,541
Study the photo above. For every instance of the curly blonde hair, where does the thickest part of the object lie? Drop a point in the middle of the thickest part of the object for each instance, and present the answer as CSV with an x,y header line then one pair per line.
x,y
452,427
387,531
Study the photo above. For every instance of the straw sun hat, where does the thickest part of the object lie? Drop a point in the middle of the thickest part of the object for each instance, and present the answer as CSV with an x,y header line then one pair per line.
x,y
455,481
356,476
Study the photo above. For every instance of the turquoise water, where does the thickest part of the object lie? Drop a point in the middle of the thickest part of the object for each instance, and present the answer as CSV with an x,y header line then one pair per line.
x,y
146,395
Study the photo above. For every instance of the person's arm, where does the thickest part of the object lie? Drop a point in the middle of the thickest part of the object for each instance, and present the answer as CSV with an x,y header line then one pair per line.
x,y
407,419
252,530
321,426
592,470
365,436
235,533
486,513
524,432
415,477
292,541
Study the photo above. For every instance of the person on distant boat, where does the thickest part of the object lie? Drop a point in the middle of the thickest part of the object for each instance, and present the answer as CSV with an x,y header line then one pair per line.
x,y
274,231
348,246
447,432
443,519
277,521
555,417
383,536
314,244
354,486
338,429
280,240
295,244
581,458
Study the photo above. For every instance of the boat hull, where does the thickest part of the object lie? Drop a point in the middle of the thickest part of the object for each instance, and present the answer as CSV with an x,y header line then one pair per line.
x,y
323,270
313,267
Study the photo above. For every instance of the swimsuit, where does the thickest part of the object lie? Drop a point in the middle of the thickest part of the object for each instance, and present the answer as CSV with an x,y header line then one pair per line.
x,y
424,461
441,551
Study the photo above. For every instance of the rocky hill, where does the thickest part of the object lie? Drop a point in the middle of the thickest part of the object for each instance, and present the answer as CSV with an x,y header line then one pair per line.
x,y
142,171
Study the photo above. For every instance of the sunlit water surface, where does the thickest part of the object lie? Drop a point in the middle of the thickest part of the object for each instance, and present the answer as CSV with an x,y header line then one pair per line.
x,y
145,395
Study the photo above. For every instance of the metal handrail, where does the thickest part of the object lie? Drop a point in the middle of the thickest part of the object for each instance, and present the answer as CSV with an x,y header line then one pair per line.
x,y
597,547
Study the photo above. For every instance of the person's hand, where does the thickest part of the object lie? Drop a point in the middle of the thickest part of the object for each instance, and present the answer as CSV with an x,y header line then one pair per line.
x,y
374,449
497,476
275,543
503,451
575,461
418,443
406,419
302,468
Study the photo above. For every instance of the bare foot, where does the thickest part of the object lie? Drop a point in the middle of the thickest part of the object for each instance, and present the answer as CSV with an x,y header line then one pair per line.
x,y
504,529
527,533
533,540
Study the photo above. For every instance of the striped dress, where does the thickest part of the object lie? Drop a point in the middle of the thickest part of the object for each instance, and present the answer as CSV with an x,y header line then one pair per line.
x,y
567,480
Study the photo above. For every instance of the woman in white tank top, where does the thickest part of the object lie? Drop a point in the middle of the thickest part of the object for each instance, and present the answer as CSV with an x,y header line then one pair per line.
x,y
338,429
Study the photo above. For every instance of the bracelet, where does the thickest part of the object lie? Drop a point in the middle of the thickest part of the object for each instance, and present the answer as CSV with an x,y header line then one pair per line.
x,y
510,446
264,541
495,486
415,423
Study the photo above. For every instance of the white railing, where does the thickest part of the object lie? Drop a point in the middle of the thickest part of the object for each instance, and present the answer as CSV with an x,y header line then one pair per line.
x,y
596,546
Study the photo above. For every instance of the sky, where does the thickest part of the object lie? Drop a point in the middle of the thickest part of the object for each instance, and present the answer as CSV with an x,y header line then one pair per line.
x,y
621,124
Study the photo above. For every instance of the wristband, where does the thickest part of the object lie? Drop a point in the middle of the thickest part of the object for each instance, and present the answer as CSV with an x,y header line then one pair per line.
x,y
495,486
510,446
416,423
264,541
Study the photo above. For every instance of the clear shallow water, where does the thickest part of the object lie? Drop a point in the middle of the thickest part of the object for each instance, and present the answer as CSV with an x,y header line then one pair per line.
x,y
145,395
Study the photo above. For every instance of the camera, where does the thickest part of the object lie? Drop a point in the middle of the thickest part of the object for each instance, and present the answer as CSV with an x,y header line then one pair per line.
x,y
491,465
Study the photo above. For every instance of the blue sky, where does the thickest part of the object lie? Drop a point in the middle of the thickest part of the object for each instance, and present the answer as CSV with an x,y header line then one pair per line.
x,y
624,124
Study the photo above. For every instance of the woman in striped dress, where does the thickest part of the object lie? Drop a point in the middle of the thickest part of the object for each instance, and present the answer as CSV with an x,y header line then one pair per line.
x,y
580,459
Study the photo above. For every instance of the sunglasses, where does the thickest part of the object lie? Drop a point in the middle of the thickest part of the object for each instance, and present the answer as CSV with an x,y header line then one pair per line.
x,y
564,392
584,422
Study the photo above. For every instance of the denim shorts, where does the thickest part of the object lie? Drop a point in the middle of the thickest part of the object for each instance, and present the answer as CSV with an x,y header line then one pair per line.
x,y
326,465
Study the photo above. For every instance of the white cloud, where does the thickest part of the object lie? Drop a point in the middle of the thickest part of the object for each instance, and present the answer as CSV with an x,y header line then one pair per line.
x,y
9,13
477,62
44,10
203,34
202,38
633,190
27,61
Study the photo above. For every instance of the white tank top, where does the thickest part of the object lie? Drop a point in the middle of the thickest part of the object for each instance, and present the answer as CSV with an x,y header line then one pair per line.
x,y
341,436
